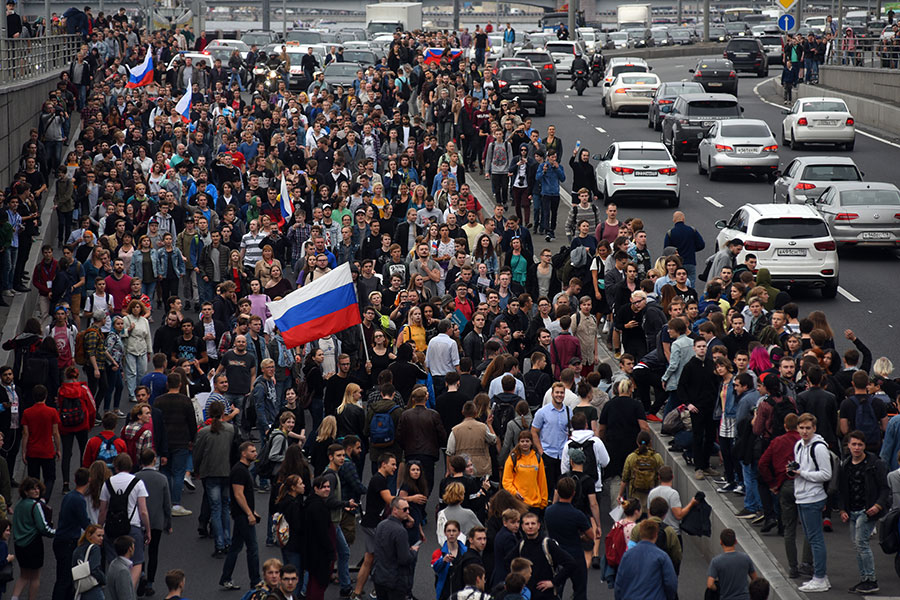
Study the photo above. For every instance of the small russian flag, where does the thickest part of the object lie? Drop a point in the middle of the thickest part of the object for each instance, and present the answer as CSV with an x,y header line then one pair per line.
x,y
287,207
184,105
433,55
142,74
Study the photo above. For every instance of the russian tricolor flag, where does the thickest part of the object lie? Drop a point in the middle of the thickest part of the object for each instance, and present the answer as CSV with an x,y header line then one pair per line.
x,y
184,105
433,55
287,207
318,309
142,74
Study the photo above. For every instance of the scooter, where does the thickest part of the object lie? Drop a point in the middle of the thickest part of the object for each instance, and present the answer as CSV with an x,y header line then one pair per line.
x,y
596,68
580,81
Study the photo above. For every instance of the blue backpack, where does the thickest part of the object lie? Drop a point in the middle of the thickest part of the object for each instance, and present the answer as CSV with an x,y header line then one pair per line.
x,y
382,430
866,420
108,451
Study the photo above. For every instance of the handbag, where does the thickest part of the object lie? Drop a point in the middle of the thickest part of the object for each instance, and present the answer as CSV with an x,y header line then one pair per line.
x,y
81,574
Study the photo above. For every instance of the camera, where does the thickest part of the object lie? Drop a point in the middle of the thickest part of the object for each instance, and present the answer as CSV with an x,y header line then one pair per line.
x,y
792,468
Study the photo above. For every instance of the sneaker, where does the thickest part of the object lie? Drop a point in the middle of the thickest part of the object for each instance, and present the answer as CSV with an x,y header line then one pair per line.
x,y
595,562
855,588
814,585
726,489
720,481
355,596
759,518
805,569
698,474
711,472
866,587
769,525
219,553
826,525
794,573
66,488
739,489
180,511
605,327
120,414
547,238
230,585
654,419
149,591
345,592
22,289
746,513
262,489
189,482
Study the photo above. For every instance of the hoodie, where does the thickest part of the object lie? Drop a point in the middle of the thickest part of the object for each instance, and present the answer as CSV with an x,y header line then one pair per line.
x,y
580,436
809,485
764,279
527,478
77,389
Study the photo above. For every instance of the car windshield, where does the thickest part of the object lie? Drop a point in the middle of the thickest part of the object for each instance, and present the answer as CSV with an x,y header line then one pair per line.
x,y
256,38
831,173
639,80
304,37
676,89
589,36
518,75
717,30
870,198
790,228
749,130
361,56
735,27
536,58
618,35
770,40
713,108
559,48
742,46
629,69
680,34
824,106
643,154
714,64
341,69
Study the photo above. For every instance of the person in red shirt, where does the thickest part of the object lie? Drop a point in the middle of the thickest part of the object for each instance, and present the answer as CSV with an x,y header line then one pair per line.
x,y
135,293
41,440
118,285
101,442
69,430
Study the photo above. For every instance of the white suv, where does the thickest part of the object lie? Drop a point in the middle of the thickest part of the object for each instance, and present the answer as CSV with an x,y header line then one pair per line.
x,y
792,241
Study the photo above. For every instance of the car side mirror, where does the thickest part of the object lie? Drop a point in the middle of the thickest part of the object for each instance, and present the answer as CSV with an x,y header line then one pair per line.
x,y
721,224
606,84
785,112
777,173
597,157
742,109
690,70
649,68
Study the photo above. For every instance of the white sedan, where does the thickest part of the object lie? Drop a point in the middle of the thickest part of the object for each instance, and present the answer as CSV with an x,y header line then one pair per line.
x,y
638,170
818,121
630,92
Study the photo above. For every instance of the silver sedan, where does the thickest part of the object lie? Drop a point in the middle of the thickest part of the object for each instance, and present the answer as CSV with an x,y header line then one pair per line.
x,y
738,146
862,214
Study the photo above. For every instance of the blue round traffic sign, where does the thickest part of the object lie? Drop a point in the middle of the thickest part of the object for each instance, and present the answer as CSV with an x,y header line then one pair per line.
x,y
786,22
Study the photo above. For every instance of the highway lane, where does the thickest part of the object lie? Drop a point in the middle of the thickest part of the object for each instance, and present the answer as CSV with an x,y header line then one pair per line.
x,y
868,276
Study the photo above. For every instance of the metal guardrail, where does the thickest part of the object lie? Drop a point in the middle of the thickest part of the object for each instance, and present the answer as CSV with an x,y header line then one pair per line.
x,y
29,58
867,52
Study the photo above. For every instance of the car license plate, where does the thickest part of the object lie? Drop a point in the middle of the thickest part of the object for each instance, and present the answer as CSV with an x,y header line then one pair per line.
x,y
791,252
827,123
645,173
742,55
518,88
642,94
715,84
876,235
747,150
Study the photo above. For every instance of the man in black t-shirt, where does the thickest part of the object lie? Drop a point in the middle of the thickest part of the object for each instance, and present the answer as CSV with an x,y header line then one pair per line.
x,y
481,39
449,404
378,499
191,347
243,511
240,368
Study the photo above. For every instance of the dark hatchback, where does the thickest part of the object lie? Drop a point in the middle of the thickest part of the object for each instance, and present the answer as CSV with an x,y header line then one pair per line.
x,y
747,54
664,99
716,75
524,85
691,116
543,62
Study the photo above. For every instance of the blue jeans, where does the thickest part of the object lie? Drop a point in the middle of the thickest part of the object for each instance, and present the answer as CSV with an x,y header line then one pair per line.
x,y
149,288
244,533
691,273
235,76
672,402
479,56
237,400
8,264
811,519
207,290
115,383
219,498
751,492
536,211
860,530
343,553
175,470
135,369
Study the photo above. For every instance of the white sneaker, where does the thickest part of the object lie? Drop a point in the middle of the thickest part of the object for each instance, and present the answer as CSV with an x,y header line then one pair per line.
x,y
180,511
605,326
815,585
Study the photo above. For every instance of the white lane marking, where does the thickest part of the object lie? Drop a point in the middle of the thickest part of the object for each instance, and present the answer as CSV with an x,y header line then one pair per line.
x,y
712,201
600,129
679,66
847,295
569,106
566,96
782,107
582,117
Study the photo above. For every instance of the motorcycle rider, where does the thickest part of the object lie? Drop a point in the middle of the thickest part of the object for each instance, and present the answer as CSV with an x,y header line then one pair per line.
x,y
578,64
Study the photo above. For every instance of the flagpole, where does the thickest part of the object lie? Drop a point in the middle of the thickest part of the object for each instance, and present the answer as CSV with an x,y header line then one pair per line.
x,y
362,331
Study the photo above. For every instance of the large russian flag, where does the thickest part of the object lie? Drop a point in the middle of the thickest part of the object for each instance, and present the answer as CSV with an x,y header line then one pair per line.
x,y
142,74
433,55
184,105
321,308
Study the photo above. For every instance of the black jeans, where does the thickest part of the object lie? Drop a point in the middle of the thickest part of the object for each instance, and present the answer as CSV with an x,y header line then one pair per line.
x,y
12,440
500,188
67,439
242,532
703,429
98,385
168,288
47,466
549,210
64,229
732,469
646,380
552,467
152,560
63,551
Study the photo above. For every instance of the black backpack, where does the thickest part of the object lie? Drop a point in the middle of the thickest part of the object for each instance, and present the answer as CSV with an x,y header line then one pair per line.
x,y
590,459
118,521
503,413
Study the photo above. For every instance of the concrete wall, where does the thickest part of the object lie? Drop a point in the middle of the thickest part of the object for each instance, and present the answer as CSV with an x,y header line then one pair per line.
x,y
878,84
875,114
20,104
705,49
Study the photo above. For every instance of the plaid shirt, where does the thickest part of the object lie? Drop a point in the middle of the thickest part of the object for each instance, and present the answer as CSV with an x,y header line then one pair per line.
x,y
296,237
94,346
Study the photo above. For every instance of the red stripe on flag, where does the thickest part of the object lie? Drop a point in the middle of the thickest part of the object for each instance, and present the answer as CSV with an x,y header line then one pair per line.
x,y
323,326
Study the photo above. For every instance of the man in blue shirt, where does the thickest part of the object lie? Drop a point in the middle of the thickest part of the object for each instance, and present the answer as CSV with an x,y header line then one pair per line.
x,y
73,519
688,241
551,427
646,572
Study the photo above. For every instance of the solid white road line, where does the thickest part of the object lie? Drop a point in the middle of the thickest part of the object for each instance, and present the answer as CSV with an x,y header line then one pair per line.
x,y
782,107
600,129
847,295
712,201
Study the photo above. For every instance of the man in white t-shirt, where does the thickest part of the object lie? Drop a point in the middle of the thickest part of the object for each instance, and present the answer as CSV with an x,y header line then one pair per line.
x,y
669,494
138,514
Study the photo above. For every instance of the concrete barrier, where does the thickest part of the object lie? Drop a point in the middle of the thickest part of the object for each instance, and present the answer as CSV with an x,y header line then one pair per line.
x,y
878,115
706,49
878,84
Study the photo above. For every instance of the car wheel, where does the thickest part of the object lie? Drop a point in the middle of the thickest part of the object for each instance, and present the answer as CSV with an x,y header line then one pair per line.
x,y
771,177
830,291
542,111
676,154
784,140
849,146
762,73
649,121
657,124
795,145
700,168
552,88
674,202
710,172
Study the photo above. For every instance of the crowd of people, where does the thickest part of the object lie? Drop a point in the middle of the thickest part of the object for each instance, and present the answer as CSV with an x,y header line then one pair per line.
x,y
472,397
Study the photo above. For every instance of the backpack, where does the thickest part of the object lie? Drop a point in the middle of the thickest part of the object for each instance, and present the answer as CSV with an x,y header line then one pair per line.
x,y
80,354
644,478
118,521
579,257
831,486
779,411
265,466
888,532
662,539
616,545
71,411
382,430
503,413
258,593
281,529
590,459
35,370
560,260
107,452
866,421
533,394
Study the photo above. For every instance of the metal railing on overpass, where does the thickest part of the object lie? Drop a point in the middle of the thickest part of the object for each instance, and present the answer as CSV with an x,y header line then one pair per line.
x,y
874,53
22,59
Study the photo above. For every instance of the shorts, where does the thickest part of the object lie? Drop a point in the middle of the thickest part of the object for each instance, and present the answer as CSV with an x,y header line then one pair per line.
x,y
109,550
31,556
369,536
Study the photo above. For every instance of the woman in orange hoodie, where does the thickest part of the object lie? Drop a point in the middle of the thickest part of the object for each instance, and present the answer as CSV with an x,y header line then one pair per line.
x,y
523,474
76,408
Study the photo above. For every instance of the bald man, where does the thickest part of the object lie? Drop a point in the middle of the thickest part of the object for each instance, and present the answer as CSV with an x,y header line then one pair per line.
x,y
688,241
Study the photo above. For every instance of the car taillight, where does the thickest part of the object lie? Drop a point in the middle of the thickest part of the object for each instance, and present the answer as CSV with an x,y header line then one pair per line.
x,y
756,246
664,101
548,66
537,84
724,148
802,121
724,55
621,91
771,148
850,121
684,121
668,171
897,215
623,170
732,74
804,186
846,217
698,74
825,246
502,83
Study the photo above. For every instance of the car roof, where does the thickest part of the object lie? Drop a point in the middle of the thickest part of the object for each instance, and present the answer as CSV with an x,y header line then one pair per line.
x,y
824,160
747,122
782,210
821,99
640,145
860,185
713,59
692,97
639,74
615,60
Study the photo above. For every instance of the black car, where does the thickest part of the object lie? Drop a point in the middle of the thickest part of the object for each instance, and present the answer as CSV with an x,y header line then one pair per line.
x,y
543,62
716,75
665,97
717,33
748,55
682,37
691,116
525,85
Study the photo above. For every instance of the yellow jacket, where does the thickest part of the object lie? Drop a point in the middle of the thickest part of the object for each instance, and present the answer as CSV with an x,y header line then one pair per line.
x,y
526,477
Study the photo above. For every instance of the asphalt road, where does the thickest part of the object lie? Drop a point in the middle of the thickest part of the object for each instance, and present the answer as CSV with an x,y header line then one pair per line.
x,y
867,276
